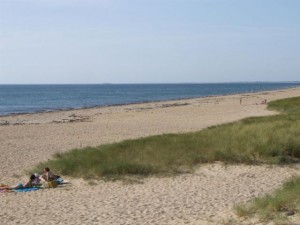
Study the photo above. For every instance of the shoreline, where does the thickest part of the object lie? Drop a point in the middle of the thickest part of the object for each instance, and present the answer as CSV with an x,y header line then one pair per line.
x,y
142,102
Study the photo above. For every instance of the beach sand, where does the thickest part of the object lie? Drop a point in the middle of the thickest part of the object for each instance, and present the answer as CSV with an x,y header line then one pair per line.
x,y
204,197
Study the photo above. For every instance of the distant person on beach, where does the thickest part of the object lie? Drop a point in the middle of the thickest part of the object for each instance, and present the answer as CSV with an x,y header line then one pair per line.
x,y
240,101
264,102
28,184
48,175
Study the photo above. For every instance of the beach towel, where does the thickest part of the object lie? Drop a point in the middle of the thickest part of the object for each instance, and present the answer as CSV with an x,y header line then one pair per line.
x,y
26,189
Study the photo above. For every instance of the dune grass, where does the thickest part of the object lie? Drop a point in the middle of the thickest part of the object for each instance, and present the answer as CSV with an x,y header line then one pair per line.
x,y
285,201
277,206
272,139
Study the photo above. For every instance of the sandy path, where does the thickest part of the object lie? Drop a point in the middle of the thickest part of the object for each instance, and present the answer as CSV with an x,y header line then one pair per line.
x,y
194,198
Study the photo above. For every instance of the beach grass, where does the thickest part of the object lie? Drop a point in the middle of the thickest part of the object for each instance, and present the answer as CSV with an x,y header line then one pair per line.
x,y
271,140
284,202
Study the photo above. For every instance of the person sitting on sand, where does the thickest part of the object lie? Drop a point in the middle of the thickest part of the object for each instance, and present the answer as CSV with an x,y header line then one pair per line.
x,y
48,175
29,184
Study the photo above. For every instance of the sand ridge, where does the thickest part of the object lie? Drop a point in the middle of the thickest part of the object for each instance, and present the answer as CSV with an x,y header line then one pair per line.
x,y
186,199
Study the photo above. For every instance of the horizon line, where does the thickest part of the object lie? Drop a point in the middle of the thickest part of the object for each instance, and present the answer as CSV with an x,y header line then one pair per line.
x,y
230,82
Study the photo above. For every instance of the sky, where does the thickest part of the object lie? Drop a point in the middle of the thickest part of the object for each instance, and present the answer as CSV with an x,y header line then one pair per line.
x,y
148,41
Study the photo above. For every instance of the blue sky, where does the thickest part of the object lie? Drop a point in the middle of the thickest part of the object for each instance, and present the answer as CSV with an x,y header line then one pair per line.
x,y
149,41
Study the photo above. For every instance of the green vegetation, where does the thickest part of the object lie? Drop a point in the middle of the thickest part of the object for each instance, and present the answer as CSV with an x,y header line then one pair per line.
x,y
284,202
273,140
289,105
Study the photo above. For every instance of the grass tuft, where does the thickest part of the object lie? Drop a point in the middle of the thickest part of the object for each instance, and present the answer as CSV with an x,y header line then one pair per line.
x,y
271,207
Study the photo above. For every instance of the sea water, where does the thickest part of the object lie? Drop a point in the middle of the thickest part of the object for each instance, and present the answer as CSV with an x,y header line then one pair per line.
x,y
15,99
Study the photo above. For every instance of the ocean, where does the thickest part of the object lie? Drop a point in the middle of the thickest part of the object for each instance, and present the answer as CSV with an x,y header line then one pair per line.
x,y
18,99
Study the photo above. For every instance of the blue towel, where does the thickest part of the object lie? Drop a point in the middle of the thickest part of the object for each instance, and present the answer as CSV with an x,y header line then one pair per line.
x,y
26,189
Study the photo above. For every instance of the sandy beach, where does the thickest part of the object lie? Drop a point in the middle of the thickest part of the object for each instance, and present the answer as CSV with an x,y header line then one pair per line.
x,y
204,197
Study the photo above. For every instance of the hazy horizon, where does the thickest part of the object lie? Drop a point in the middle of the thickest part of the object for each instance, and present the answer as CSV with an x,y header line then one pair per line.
x,y
233,82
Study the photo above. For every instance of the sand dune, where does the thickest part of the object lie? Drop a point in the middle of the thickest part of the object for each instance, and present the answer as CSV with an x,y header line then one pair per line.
x,y
200,198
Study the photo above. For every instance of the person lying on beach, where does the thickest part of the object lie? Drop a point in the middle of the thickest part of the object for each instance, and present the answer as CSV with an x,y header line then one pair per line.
x,y
37,180
28,184
48,175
